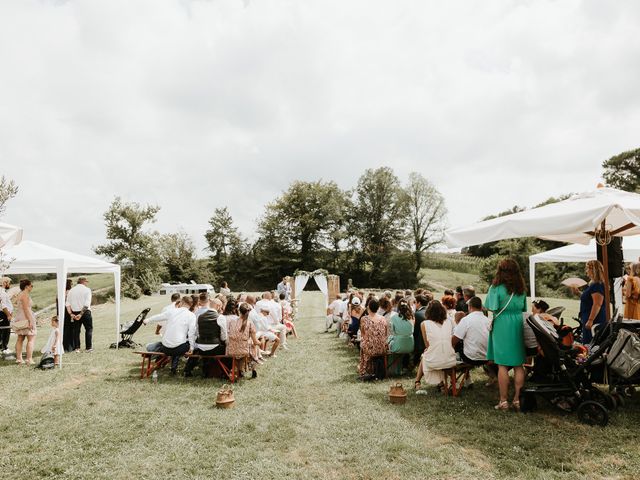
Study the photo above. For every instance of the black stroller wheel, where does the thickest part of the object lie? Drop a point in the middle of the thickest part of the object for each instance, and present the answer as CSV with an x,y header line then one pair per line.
x,y
619,398
604,398
528,402
629,391
593,413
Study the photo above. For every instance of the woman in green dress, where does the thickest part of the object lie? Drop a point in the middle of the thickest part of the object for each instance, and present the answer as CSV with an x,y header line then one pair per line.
x,y
400,338
507,300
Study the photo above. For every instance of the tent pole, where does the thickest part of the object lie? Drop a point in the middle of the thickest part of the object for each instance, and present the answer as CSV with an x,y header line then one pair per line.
x,y
605,265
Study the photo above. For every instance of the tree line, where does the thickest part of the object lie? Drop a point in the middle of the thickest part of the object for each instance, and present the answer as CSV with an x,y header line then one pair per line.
x,y
374,234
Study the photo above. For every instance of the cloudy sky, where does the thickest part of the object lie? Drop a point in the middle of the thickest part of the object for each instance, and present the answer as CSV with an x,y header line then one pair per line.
x,y
194,105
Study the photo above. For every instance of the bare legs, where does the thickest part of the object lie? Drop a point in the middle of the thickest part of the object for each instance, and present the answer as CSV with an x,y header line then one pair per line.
x,y
31,340
19,348
503,383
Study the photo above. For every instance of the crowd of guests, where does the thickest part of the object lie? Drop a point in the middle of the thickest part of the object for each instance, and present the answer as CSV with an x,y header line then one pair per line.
x,y
16,314
246,328
416,331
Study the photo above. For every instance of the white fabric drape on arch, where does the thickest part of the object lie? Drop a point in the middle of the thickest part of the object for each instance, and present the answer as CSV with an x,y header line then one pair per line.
x,y
321,281
301,282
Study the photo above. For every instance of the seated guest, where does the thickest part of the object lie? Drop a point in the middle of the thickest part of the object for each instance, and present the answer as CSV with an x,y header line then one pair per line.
x,y
260,319
374,331
209,340
439,354
400,338
275,316
287,315
203,304
334,313
386,309
471,335
449,303
180,332
175,300
422,302
357,311
241,334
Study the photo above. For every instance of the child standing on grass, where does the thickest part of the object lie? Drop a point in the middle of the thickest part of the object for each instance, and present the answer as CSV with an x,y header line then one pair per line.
x,y
53,343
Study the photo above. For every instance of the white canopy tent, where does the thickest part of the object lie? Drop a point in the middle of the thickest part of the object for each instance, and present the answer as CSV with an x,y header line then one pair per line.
x,y
9,235
606,211
579,253
32,257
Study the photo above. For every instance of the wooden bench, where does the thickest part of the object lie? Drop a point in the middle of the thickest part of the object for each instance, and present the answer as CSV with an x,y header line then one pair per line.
x,y
230,373
385,358
147,358
457,376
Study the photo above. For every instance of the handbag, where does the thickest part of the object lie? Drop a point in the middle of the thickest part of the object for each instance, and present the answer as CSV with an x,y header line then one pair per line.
x,y
20,324
500,312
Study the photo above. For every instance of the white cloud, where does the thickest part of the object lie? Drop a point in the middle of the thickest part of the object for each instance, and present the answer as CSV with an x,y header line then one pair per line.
x,y
198,104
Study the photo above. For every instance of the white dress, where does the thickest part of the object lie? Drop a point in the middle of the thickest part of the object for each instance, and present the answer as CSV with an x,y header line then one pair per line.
x,y
48,348
440,354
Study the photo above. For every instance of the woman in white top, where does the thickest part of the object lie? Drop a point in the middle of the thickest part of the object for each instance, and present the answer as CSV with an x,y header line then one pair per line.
x,y
449,303
439,354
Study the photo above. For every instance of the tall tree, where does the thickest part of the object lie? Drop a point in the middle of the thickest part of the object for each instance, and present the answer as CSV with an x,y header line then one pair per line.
x,y
623,171
130,245
427,212
222,235
378,219
8,190
304,220
178,256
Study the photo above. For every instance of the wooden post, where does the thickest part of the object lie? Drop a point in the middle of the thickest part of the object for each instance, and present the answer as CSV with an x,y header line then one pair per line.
x,y
605,265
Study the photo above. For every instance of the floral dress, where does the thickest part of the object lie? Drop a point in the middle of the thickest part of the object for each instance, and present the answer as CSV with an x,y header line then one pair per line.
x,y
374,342
238,342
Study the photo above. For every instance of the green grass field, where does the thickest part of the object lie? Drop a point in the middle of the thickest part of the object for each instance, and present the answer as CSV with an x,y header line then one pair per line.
x,y
305,416
44,291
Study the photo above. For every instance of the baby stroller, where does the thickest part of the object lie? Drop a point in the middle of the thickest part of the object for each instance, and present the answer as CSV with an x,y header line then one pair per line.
x,y
567,383
127,331
623,358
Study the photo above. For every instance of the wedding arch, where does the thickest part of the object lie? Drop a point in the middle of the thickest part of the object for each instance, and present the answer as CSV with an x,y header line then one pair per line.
x,y
328,284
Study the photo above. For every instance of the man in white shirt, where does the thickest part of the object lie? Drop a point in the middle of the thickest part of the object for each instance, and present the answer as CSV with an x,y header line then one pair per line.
x,y
175,299
262,321
6,313
179,335
471,335
275,316
334,313
79,307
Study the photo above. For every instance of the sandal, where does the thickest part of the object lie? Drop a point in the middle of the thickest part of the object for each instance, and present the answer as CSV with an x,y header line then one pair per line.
x,y
417,385
516,405
503,405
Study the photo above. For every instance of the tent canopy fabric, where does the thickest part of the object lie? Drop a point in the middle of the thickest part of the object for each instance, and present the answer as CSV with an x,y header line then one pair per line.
x,y
579,254
570,220
9,235
32,257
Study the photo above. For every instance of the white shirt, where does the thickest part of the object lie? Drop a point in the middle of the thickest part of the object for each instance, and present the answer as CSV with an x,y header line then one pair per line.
x,y
259,321
222,323
5,301
335,307
275,311
474,331
79,297
180,328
